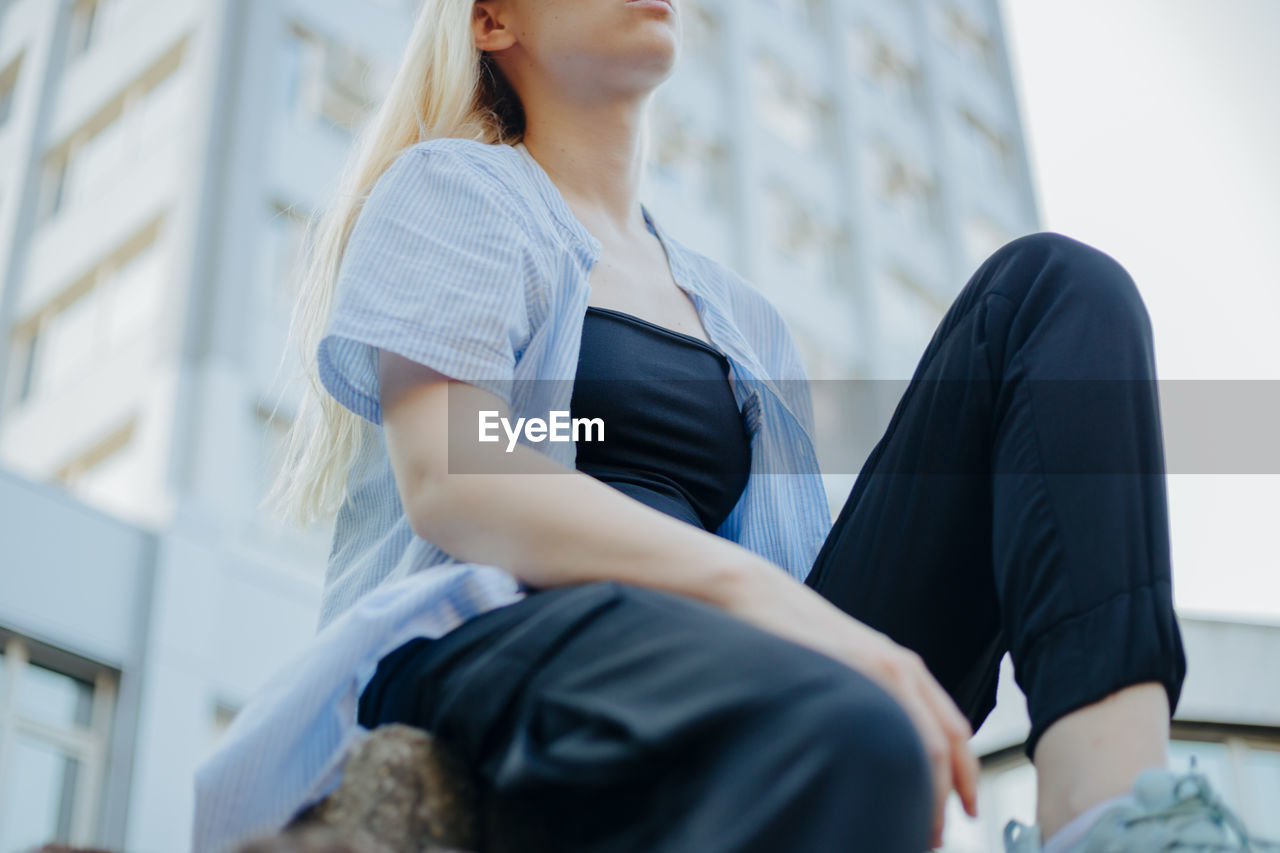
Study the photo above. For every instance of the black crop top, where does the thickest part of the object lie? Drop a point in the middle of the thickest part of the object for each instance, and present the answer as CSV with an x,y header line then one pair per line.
x,y
674,437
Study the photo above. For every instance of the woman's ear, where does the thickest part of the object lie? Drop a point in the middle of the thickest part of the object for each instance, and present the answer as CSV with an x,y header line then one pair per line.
x,y
489,20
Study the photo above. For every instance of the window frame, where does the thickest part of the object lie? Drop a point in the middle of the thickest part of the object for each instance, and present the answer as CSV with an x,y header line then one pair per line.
x,y
89,745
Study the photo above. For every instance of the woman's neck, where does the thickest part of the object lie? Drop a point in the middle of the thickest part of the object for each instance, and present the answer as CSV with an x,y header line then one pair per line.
x,y
593,156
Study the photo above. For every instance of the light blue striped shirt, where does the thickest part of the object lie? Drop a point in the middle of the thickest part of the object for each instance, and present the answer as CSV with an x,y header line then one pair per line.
x,y
466,258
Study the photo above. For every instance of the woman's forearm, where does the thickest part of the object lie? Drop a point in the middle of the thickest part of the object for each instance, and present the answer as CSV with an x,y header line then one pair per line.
x,y
555,526
544,523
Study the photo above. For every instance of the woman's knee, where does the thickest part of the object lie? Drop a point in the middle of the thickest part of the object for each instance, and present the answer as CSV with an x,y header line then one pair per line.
x,y
1077,271
858,725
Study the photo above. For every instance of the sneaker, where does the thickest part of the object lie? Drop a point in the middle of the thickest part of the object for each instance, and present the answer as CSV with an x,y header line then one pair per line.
x,y
1173,813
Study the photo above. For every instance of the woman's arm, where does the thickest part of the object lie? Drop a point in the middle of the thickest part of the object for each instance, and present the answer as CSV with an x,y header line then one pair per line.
x,y
544,523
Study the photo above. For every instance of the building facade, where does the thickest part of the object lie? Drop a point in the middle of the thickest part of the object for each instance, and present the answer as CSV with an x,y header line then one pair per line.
x,y
854,159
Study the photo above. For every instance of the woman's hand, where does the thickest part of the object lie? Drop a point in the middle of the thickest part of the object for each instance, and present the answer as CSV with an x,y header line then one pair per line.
x,y
774,601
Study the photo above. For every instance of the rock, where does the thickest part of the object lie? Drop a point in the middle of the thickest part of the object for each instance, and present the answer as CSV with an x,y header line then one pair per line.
x,y
402,791
311,839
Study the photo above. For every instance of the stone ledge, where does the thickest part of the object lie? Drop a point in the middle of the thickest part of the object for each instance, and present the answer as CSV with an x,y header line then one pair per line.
x,y
405,791
402,790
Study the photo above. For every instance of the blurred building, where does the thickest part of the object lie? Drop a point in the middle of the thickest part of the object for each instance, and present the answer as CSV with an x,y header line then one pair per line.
x,y
155,159
856,160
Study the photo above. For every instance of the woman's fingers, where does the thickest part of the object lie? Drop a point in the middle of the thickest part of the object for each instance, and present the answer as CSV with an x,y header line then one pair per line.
x,y
943,729
956,727
903,676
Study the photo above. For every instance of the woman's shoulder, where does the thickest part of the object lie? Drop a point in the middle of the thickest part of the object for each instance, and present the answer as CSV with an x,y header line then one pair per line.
x,y
496,167
476,182
479,187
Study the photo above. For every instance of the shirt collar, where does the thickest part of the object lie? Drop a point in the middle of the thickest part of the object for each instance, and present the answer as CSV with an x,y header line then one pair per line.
x,y
708,296
590,248
711,300
585,245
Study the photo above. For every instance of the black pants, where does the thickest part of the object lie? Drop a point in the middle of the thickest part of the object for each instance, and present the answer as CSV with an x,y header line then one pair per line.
x,y
1015,503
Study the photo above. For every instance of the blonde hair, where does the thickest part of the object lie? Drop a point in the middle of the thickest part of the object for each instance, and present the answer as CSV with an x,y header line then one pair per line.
x,y
444,87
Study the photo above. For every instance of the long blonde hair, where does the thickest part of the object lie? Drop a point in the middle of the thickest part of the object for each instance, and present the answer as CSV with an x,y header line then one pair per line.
x,y
444,87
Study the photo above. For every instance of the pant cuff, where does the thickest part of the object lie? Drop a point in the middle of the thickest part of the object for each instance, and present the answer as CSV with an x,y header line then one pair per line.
x,y
1130,638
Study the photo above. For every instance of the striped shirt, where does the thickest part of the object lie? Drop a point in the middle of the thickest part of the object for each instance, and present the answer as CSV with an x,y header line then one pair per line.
x,y
467,258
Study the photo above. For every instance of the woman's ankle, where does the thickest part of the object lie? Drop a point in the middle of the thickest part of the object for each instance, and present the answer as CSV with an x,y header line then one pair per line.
x,y
1096,753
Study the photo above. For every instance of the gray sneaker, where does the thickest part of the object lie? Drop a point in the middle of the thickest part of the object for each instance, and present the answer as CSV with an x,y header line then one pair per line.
x,y
1173,812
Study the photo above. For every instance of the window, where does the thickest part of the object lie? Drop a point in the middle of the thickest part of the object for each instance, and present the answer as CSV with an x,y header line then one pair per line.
x,y
70,338
96,317
273,452
125,134
159,111
787,106
281,260
906,192
106,474
984,147
908,316
802,11
889,68
53,743
327,80
689,159
83,17
981,238
53,186
94,22
274,447
132,291
96,161
286,236
966,35
703,33
25,355
808,242
223,716
8,87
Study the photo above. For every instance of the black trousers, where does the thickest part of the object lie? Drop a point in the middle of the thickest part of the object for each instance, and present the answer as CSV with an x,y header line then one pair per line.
x,y
1015,503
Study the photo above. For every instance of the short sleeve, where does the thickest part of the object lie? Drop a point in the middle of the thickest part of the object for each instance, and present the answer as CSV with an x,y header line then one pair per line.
x,y
438,270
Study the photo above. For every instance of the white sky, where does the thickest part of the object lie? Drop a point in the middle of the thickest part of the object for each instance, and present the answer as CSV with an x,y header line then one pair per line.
x,y
1154,129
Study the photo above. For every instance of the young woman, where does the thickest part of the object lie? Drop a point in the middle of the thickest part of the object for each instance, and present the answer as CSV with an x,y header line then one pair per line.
x,y
668,646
